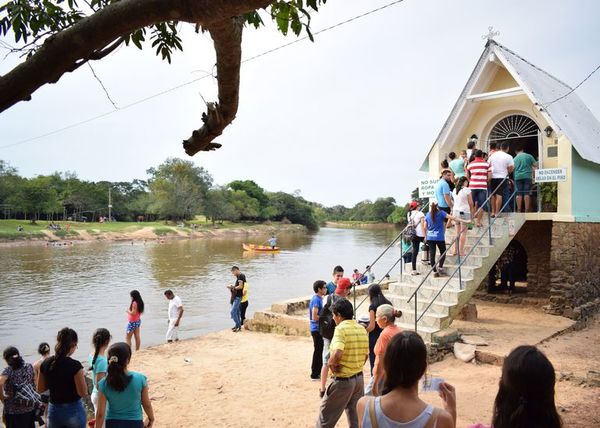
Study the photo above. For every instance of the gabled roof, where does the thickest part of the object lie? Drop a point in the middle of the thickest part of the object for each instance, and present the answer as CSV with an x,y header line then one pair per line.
x,y
568,115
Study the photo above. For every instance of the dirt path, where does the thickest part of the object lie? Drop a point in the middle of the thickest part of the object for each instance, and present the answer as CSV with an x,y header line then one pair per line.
x,y
261,380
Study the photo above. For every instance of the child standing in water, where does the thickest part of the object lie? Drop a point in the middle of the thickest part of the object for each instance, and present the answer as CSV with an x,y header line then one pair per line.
x,y
134,318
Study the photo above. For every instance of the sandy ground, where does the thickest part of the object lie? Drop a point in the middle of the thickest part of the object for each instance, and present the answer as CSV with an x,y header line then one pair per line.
x,y
260,380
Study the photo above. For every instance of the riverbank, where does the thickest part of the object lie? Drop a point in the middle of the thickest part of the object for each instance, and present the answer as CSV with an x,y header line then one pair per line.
x,y
66,232
360,225
253,379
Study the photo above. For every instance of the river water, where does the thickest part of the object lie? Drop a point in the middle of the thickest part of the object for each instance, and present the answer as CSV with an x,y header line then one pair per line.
x,y
87,285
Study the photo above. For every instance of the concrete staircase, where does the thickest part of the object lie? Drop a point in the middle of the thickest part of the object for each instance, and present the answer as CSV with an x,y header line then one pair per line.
x,y
456,294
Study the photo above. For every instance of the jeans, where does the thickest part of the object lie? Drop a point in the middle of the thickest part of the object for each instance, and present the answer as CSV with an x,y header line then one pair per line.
x,y
243,307
373,336
416,243
235,312
69,415
507,277
317,357
442,246
21,420
119,423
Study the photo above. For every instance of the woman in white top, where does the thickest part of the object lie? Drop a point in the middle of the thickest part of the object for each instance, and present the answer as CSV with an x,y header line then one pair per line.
x,y
404,364
464,209
415,218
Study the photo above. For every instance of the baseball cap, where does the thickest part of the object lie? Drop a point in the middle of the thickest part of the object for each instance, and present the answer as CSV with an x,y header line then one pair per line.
x,y
413,205
343,284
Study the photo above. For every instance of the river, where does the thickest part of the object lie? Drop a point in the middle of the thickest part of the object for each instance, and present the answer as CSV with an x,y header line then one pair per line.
x,y
87,285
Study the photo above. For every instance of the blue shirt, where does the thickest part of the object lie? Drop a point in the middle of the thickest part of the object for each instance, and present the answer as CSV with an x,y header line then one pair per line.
x,y
100,366
331,287
315,302
442,188
435,227
127,404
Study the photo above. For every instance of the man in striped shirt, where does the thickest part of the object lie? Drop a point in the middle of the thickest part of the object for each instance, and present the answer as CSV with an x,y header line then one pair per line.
x,y
349,352
480,174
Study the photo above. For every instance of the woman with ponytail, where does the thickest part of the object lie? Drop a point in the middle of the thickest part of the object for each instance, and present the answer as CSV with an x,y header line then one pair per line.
x,y
44,352
126,393
97,362
63,377
134,318
525,396
14,381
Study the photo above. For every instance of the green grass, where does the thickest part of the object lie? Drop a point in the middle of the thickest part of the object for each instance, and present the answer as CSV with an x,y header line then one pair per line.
x,y
8,228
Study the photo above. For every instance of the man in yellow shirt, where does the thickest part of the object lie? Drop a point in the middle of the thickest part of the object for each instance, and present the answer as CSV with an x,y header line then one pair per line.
x,y
349,350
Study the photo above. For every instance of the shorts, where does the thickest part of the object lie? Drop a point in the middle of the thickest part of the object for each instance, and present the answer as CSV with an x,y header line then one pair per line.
x,y
479,197
326,343
499,184
132,325
523,186
463,215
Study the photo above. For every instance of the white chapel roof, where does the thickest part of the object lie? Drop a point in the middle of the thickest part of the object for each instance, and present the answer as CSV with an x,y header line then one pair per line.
x,y
568,115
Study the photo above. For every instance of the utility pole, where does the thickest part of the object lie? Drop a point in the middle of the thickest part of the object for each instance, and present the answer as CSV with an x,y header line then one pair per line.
x,y
109,205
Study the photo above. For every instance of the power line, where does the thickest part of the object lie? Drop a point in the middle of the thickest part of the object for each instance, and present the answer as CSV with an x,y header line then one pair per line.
x,y
572,90
166,91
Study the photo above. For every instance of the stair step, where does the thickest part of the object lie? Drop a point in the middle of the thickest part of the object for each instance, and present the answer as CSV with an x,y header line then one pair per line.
x,y
438,307
432,281
428,292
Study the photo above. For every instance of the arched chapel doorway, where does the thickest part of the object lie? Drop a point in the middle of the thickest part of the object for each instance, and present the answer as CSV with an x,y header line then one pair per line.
x,y
516,129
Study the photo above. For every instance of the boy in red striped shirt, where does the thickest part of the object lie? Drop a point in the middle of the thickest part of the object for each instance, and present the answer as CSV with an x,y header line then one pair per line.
x,y
480,174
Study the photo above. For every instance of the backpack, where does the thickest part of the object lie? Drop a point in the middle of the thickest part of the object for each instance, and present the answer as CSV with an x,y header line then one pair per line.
x,y
410,232
326,322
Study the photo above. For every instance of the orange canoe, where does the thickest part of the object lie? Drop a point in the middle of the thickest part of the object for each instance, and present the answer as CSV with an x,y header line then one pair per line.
x,y
252,247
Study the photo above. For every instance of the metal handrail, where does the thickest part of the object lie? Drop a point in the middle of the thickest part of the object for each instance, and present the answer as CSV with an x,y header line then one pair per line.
x,y
435,265
464,260
355,283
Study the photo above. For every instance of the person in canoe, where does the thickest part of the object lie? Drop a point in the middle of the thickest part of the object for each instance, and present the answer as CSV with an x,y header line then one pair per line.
x,y
272,241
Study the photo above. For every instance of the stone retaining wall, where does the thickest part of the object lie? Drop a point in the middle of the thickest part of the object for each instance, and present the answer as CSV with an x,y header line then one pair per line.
x,y
574,270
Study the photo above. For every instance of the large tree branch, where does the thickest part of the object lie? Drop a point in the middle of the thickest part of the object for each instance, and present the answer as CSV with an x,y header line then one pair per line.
x,y
90,39
227,38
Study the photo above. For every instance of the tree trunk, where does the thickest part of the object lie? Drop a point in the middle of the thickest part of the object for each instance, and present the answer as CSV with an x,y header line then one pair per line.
x,y
92,37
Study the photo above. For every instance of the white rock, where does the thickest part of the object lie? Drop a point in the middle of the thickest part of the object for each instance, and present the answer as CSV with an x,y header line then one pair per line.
x,y
464,351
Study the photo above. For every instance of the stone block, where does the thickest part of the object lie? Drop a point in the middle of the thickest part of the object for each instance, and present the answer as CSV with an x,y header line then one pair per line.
x,y
464,352
468,312
445,337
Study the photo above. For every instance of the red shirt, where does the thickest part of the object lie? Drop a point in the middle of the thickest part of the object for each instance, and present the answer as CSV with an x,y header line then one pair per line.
x,y
478,170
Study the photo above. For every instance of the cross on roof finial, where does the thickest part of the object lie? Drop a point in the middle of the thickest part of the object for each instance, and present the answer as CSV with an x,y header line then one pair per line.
x,y
491,34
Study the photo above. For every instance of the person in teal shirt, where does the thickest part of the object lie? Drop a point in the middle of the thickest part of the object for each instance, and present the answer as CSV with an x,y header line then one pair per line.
x,y
126,392
457,164
524,166
97,362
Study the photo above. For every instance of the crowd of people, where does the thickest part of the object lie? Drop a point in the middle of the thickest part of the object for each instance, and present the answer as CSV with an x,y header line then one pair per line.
x,y
398,365
51,390
470,184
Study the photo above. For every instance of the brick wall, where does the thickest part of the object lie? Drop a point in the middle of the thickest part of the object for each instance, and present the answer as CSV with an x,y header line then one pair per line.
x,y
574,269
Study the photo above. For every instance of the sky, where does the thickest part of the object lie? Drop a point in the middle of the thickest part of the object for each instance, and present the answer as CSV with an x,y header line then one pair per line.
x,y
347,118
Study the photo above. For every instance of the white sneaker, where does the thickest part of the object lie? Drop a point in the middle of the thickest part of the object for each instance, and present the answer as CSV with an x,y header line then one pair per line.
x,y
415,272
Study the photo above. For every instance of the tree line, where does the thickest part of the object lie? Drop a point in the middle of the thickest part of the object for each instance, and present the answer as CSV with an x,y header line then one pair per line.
x,y
176,190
